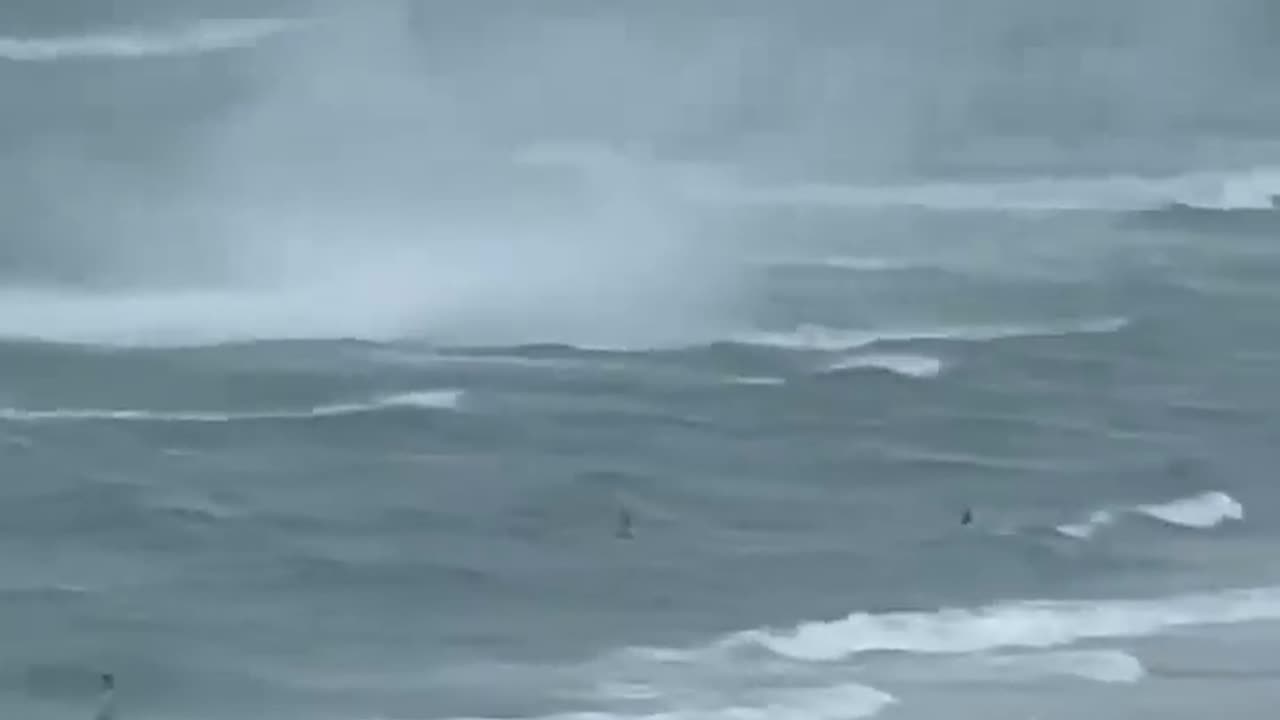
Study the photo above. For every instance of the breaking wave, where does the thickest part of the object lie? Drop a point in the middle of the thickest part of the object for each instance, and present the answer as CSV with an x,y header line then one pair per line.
x,y
1104,666
1035,624
212,317
913,366
761,380
842,702
1247,189
432,399
817,337
1203,511
202,37
1200,511
853,263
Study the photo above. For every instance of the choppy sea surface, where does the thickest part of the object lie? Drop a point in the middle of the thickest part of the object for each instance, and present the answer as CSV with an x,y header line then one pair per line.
x,y
616,361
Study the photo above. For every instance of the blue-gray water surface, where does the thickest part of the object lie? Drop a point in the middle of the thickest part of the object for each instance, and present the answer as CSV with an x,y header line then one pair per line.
x,y
619,361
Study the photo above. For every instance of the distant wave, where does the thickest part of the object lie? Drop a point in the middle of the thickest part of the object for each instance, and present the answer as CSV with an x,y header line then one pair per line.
x,y
432,399
849,262
756,380
1203,511
1245,189
847,701
913,366
1104,666
1032,624
204,318
201,37
817,337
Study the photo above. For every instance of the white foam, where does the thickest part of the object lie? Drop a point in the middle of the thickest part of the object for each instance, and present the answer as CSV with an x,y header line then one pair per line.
x,y
1084,530
757,380
433,399
1034,624
201,37
848,262
1225,189
840,702
1206,510
817,337
1202,512
1240,189
867,264
372,308
1101,666
914,366
1104,666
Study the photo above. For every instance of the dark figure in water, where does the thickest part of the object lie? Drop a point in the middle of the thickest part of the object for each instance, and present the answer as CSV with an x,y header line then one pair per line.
x,y
107,705
624,525
967,517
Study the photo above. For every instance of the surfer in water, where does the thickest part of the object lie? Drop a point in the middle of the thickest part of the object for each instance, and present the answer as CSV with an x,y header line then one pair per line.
x,y
624,531
107,701
967,517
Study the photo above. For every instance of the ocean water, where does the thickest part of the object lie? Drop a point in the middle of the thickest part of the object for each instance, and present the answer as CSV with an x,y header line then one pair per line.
x,y
338,340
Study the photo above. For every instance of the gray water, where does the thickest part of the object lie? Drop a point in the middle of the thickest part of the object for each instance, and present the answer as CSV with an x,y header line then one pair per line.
x,y
338,338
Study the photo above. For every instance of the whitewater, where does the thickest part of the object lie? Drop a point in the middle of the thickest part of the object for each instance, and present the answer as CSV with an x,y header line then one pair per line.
x,y
447,361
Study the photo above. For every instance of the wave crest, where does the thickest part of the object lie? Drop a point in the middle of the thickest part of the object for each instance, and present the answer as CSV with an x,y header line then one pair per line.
x,y
912,366
841,702
1239,190
431,399
1206,510
1201,512
1039,624
821,338
202,37
1104,666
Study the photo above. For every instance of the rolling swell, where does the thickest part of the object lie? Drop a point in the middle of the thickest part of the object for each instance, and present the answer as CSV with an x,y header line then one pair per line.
x,y
203,37
436,399
1240,190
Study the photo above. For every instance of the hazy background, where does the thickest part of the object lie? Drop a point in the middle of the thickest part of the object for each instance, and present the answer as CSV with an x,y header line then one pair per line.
x,y
373,132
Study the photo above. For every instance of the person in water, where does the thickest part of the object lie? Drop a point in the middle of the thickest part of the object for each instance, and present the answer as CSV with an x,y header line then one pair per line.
x,y
624,531
107,702
967,517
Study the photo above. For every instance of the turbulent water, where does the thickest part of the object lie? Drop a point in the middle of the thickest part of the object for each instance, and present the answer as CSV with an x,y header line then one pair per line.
x,y
636,361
